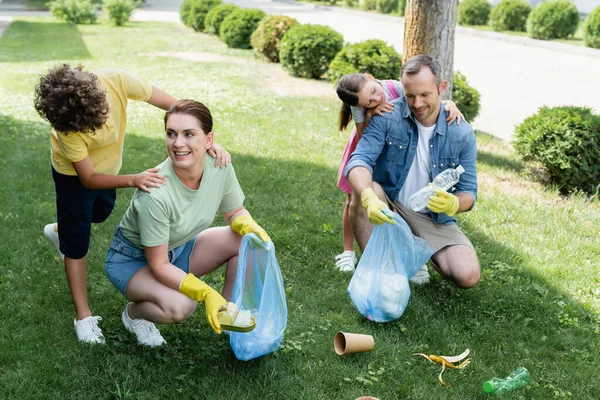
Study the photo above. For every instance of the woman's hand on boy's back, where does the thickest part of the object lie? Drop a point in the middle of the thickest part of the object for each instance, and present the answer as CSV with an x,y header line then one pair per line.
x,y
150,178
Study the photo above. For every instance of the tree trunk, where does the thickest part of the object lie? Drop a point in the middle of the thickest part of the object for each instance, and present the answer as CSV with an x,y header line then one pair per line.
x,y
429,29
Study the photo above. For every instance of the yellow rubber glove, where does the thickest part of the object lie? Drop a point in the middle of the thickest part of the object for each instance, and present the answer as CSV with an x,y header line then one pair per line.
x,y
244,224
376,209
443,202
200,291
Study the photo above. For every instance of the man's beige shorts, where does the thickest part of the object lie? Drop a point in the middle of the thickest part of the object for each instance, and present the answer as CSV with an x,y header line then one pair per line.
x,y
437,235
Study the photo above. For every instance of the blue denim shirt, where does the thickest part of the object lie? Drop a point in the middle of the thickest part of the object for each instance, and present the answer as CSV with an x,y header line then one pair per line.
x,y
389,145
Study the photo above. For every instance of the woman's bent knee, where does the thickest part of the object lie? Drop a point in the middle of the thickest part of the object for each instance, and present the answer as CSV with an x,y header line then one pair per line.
x,y
181,309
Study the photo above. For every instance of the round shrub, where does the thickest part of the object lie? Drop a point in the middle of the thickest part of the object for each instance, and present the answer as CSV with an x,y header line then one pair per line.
x,y
367,5
510,15
266,38
386,6
215,17
465,96
553,19
591,30
238,26
307,50
198,13
184,11
473,12
118,12
75,11
566,141
402,7
373,56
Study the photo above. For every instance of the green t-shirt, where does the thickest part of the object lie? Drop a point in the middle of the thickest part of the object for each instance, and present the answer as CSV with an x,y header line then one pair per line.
x,y
174,213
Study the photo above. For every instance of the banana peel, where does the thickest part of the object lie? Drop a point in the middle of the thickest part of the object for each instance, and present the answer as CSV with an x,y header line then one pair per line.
x,y
446,361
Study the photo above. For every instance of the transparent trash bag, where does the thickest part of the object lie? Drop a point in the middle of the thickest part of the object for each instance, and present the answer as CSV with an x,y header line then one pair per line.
x,y
259,288
379,287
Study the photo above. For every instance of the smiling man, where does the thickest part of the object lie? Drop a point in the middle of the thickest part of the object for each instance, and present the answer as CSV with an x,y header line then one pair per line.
x,y
399,153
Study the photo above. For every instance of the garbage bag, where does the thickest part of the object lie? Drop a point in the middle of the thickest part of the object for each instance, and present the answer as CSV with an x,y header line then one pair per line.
x,y
379,287
258,287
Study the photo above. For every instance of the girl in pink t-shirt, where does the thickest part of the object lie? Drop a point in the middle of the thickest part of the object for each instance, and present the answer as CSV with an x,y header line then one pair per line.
x,y
362,97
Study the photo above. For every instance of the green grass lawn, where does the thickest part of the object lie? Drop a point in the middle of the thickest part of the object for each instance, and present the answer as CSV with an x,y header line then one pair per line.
x,y
537,304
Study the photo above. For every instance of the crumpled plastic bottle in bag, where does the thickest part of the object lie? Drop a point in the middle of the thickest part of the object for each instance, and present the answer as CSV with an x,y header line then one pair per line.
x,y
258,287
379,287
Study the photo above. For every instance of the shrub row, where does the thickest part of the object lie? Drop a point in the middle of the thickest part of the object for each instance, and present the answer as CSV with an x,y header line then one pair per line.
x,y
116,12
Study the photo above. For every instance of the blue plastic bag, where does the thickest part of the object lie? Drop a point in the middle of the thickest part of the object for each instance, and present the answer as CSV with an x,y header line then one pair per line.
x,y
259,288
379,287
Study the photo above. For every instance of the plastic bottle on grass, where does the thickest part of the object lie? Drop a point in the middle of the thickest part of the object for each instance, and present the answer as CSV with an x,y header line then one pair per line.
x,y
444,180
517,379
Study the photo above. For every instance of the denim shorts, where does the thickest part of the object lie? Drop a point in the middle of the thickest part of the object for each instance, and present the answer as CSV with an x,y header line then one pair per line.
x,y
124,259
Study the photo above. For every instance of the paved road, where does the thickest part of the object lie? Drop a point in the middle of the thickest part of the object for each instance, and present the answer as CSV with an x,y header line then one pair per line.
x,y
514,75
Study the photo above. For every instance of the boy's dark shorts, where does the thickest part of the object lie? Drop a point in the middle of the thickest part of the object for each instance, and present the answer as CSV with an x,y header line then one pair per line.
x,y
77,207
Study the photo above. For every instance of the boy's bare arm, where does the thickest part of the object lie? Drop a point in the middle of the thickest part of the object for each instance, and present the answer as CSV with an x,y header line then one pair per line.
x,y
91,180
161,99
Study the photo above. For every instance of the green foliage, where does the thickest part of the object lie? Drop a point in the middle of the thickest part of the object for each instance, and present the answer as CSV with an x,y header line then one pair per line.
x,y
198,12
553,19
591,30
184,11
373,56
367,5
118,12
351,3
266,38
386,6
566,141
402,7
465,96
510,15
216,15
473,12
237,28
307,50
75,11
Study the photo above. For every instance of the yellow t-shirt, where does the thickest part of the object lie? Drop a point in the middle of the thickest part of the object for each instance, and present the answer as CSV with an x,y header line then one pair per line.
x,y
105,145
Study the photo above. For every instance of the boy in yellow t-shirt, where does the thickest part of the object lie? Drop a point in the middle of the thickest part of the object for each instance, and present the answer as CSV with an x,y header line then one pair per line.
x,y
88,114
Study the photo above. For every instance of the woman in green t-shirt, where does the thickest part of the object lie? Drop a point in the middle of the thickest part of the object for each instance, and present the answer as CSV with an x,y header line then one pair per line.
x,y
164,240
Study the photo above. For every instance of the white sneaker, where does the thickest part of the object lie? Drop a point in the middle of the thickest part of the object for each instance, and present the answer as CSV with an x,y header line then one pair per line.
x,y
421,277
146,332
52,235
88,331
345,261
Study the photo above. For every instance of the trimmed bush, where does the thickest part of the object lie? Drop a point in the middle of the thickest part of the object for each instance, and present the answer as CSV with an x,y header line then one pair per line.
x,y
591,30
74,11
237,28
351,3
216,15
307,50
465,96
373,56
510,15
198,13
566,141
553,19
266,38
118,12
402,7
367,5
386,6
473,12
184,11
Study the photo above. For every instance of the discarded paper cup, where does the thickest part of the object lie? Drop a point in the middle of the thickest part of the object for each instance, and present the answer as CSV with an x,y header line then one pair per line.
x,y
346,343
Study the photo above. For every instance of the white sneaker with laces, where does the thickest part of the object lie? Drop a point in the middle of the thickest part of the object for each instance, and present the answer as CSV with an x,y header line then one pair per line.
x,y
147,334
421,277
52,234
345,261
88,331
